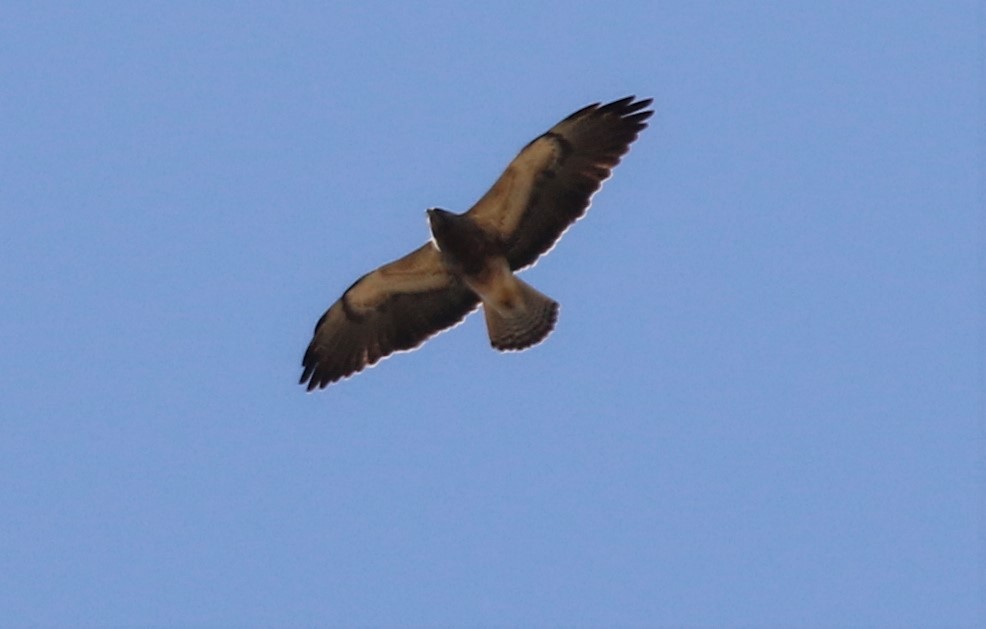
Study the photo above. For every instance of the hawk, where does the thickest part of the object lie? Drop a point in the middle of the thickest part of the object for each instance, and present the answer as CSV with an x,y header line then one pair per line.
x,y
472,257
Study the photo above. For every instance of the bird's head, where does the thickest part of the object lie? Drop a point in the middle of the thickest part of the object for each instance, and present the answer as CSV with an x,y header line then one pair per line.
x,y
439,221
438,215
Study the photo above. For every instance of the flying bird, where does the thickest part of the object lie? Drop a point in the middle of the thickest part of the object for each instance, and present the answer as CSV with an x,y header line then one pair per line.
x,y
472,257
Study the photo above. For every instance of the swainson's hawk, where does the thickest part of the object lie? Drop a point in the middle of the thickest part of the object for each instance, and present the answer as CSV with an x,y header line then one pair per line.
x,y
472,257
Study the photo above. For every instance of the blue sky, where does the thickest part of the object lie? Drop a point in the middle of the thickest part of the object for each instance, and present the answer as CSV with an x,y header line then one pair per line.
x,y
761,405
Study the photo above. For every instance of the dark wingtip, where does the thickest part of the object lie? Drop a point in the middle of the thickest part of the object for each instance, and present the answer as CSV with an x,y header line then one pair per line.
x,y
619,103
626,105
307,377
623,107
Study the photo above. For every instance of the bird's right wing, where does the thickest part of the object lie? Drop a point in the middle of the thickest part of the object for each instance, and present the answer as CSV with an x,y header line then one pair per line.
x,y
394,308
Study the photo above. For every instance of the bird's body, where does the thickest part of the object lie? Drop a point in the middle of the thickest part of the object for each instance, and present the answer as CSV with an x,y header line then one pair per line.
x,y
472,257
517,316
466,247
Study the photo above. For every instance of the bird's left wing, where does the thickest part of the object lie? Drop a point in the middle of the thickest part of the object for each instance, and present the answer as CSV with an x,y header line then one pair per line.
x,y
550,183
396,307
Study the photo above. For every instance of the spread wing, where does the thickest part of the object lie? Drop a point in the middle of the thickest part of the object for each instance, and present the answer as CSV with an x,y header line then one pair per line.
x,y
397,307
549,185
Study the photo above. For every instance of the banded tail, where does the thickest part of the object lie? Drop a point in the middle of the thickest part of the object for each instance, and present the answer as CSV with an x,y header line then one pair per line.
x,y
525,321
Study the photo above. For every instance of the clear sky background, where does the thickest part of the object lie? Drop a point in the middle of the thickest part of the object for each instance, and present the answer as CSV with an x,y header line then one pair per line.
x,y
761,404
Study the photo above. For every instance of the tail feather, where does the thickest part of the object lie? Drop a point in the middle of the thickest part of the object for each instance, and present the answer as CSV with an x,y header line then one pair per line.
x,y
525,323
